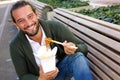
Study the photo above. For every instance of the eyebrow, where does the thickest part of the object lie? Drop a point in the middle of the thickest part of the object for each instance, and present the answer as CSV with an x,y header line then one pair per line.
x,y
19,19
22,18
30,14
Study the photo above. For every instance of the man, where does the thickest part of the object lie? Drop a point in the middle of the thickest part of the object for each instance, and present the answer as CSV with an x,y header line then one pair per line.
x,y
31,36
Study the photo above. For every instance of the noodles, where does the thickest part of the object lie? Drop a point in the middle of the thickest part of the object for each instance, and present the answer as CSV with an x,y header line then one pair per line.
x,y
47,42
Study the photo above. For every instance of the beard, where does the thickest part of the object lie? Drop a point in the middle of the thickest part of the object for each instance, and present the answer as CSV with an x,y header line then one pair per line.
x,y
34,32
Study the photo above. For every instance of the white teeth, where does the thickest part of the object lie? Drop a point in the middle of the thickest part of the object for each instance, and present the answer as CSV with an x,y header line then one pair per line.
x,y
31,27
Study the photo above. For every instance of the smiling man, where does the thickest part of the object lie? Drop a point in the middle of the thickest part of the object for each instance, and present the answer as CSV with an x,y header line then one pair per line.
x,y
70,62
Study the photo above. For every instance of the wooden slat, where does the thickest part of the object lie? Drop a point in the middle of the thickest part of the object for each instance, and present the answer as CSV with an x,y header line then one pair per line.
x,y
107,52
114,45
99,47
104,68
104,30
104,23
108,61
102,75
42,8
95,77
105,59
37,3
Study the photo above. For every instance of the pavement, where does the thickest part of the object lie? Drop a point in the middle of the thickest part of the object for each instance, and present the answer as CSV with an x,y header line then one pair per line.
x,y
7,33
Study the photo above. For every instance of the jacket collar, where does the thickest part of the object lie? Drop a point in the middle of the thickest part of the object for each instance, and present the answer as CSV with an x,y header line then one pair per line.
x,y
45,27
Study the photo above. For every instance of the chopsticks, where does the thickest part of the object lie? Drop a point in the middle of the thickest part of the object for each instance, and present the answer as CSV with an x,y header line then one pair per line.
x,y
57,42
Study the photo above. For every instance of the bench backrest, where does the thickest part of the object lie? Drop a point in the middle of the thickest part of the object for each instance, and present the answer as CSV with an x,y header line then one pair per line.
x,y
102,39
42,8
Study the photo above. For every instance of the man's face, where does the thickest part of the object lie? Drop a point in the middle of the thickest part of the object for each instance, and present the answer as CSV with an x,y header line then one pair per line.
x,y
26,20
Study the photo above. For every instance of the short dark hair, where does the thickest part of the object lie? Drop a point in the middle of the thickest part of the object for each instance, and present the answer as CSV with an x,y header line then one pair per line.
x,y
20,4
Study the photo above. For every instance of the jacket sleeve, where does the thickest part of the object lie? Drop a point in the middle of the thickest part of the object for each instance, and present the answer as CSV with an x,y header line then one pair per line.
x,y
63,33
19,62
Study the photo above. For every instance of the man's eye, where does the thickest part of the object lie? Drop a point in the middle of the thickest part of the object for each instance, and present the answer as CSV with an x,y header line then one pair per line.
x,y
20,21
30,16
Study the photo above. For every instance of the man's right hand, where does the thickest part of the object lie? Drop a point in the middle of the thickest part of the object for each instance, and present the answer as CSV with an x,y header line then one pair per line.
x,y
49,75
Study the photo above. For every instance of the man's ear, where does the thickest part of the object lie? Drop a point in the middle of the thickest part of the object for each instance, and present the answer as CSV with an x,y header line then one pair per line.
x,y
11,21
15,25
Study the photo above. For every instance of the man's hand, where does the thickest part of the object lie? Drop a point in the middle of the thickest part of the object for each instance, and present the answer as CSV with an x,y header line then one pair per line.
x,y
49,75
69,47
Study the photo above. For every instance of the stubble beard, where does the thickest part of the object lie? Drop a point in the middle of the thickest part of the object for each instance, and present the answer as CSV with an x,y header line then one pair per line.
x,y
34,32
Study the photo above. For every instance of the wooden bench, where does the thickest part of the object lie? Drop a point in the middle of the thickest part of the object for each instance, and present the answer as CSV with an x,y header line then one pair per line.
x,y
102,39
42,8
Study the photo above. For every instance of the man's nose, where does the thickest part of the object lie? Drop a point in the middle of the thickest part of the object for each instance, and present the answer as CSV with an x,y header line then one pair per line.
x,y
28,22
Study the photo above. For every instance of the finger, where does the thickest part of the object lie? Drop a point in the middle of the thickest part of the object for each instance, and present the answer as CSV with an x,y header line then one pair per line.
x,y
57,71
70,51
64,43
41,69
71,46
54,73
68,44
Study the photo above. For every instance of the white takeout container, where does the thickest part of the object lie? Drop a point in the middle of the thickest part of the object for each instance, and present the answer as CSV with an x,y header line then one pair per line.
x,y
47,59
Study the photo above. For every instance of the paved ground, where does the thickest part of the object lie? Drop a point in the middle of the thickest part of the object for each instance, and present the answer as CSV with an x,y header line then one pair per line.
x,y
99,3
7,32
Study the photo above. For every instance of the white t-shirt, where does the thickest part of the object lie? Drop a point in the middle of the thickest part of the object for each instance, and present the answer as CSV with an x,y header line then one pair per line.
x,y
36,46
